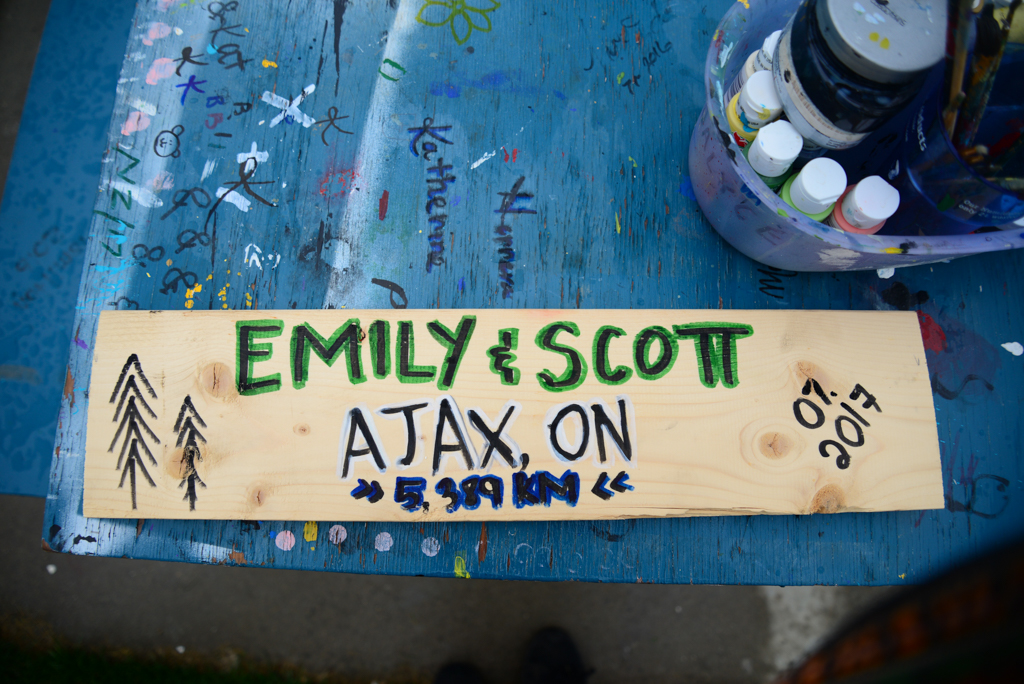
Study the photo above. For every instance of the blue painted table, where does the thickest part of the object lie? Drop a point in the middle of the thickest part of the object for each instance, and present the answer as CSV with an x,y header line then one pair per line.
x,y
265,157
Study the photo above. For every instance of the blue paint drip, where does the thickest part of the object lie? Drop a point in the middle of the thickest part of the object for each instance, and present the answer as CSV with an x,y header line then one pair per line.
x,y
462,284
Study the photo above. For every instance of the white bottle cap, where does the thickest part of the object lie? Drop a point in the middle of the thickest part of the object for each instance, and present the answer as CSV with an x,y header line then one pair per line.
x,y
749,67
775,148
764,57
818,185
870,202
759,102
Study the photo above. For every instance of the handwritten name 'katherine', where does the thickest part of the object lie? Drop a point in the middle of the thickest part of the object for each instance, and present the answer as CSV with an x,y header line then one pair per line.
x,y
423,138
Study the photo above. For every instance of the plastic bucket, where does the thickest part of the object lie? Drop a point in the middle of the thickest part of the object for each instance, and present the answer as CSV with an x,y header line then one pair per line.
x,y
752,218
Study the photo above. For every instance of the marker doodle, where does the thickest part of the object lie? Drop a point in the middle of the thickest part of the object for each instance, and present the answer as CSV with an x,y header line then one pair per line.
x,y
331,121
167,142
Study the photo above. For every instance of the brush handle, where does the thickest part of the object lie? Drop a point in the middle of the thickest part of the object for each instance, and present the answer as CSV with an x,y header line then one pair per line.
x,y
983,76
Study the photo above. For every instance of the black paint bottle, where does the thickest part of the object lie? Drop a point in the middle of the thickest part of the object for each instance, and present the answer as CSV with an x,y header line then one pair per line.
x,y
844,67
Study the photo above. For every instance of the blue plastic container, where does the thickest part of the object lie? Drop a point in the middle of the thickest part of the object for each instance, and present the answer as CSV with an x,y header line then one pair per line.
x,y
755,220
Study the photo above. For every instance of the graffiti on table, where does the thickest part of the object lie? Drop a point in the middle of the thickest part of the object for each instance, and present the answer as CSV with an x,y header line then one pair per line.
x,y
461,16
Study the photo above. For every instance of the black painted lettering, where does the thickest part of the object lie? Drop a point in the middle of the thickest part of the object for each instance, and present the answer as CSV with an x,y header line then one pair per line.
x,y
621,438
556,432
411,428
446,417
356,425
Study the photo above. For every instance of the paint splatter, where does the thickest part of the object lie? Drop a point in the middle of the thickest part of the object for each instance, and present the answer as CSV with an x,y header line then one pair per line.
x,y
452,91
686,189
932,335
162,68
267,64
285,540
161,181
143,106
1014,348
460,567
309,531
383,542
430,547
234,198
481,160
382,206
337,534
886,273
135,121
157,30
208,168
618,225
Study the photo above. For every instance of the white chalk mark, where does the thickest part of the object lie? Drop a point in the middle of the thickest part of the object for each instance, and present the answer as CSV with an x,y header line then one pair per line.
x,y
1014,348
886,273
208,168
143,106
251,257
337,534
481,160
290,107
143,196
383,542
234,198
838,257
253,153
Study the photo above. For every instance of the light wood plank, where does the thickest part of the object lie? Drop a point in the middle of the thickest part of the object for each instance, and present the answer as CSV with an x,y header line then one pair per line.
x,y
693,449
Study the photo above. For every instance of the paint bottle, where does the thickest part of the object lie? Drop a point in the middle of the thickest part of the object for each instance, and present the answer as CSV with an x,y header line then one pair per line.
x,y
864,207
758,60
773,151
844,68
754,107
816,188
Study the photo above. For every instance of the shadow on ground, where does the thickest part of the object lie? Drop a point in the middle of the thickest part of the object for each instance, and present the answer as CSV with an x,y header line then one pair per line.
x,y
366,628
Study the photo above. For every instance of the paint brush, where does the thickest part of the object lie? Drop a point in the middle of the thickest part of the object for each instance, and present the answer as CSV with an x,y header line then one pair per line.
x,y
997,164
957,33
985,62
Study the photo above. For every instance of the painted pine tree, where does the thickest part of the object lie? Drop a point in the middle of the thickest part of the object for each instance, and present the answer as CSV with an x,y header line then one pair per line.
x,y
133,430
188,434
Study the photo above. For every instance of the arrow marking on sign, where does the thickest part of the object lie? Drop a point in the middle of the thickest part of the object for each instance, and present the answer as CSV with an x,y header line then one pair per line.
x,y
371,491
599,488
618,484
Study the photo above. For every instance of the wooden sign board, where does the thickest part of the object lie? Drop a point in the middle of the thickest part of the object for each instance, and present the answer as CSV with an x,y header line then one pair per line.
x,y
433,415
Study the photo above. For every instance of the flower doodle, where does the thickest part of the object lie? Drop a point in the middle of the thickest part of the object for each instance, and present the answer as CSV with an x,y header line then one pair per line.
x,y
462,16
